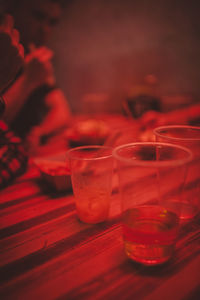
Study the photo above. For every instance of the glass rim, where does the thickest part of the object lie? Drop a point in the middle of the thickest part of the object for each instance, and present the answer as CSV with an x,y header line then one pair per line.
x,y
157,132
90,147
150,164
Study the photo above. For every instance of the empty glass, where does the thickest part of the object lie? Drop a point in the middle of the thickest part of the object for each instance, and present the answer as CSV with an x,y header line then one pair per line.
x,y
91,174
187,136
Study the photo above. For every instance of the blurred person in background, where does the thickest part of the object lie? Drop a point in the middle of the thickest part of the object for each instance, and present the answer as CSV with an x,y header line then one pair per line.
x,y
13,159
11,51
149,110
42,108
189,115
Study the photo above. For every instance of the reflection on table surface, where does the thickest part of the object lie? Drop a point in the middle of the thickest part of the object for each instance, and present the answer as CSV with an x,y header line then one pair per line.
x,y
47,253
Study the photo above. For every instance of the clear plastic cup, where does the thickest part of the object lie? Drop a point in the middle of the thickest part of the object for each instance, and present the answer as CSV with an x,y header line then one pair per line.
x,y
91,174
151,180
187,136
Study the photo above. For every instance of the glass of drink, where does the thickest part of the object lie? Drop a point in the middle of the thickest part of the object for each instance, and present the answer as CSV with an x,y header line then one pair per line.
x,y
91,174
151,176
187,136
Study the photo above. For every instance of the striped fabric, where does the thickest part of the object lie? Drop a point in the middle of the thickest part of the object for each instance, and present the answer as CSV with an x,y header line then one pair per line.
x,y
13,159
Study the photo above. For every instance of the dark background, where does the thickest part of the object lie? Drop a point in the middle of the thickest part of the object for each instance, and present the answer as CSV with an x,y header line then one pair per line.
x,y
107,47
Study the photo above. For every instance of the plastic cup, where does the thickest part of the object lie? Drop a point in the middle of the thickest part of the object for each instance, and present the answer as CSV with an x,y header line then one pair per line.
x,y
91,175
187,136
151,179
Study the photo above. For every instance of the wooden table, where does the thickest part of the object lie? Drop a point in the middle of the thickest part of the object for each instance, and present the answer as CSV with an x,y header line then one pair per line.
x,y
47,253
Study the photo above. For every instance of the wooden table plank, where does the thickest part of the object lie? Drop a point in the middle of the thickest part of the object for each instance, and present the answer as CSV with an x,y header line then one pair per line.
x,y
180,285
47,253
70,266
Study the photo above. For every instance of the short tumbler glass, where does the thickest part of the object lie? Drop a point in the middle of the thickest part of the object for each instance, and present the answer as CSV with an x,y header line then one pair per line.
x,y
91,174
151,178
186,136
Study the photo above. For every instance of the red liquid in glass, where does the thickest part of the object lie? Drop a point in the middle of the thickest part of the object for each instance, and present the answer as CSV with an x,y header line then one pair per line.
x,y
149,234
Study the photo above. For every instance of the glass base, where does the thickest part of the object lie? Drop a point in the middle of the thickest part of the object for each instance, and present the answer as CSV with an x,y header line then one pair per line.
x,y
149,254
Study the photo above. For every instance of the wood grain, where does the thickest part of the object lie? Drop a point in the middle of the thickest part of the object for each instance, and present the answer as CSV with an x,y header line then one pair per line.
x,y
47,253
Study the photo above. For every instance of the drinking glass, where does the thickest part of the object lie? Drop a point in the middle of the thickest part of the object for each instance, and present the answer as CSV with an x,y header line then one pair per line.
x,y
187,136
151,178
91,174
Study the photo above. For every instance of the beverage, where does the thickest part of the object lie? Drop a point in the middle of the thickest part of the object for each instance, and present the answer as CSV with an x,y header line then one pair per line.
x,y
149,234
184,209
145,176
